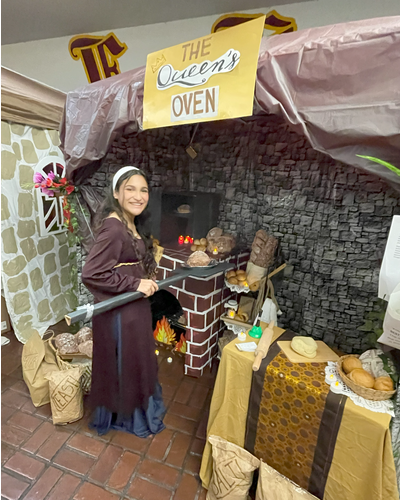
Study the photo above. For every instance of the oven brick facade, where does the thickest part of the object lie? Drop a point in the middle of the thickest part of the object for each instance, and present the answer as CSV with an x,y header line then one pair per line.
x,y
203,302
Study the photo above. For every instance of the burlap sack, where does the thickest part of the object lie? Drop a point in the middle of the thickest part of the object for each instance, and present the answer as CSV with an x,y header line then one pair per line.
x,y
38,360
66,397
233,469
254,273
273,486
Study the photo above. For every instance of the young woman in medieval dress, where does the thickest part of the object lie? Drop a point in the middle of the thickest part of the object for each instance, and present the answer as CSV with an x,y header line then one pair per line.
x,y
125,390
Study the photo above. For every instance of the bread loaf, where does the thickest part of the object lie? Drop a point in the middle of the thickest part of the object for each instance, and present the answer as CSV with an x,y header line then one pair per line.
x,y
361,377
350,364
306,346
198,259
383,384
66,343
86,348
263,249
84,335
233,281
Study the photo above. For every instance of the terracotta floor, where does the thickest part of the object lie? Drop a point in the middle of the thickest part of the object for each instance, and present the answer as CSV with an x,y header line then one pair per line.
x,y
41,461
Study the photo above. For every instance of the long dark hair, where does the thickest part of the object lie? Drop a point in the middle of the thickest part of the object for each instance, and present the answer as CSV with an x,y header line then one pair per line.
x,y
142,221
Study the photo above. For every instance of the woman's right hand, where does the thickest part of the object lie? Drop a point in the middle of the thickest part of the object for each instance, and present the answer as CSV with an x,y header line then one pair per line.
x,y
147,287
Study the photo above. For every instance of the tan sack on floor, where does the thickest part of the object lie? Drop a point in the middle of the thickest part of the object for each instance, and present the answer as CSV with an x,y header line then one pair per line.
x,y
38,360
233,469
273,486
66,398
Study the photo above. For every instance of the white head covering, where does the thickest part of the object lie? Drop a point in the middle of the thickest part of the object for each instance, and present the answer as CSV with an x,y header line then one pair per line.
x,y
121,172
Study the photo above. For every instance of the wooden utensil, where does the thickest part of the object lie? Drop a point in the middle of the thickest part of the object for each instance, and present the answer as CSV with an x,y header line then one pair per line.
x,y
263,346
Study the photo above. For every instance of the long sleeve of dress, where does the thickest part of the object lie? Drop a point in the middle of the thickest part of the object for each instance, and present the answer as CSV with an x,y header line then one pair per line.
x,y
98,272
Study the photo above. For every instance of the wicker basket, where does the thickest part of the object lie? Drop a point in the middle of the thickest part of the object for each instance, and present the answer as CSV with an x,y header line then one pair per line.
x,y
372,394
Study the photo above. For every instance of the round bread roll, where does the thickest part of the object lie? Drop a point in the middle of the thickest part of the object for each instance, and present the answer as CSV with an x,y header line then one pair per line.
x,y
193,248
233,281
241,278
201,248
240,272
231,274
383,384
361,377
203,242
196,242
350,364
255,286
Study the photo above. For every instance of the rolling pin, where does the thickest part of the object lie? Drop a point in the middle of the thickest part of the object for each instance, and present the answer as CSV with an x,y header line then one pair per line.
x,y
263,346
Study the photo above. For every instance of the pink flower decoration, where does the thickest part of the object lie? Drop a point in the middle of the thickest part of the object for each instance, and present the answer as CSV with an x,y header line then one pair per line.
x,y
37,177
51,175
49,192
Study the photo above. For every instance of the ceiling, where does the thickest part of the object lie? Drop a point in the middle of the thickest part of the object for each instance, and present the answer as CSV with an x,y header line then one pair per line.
x,y
27,20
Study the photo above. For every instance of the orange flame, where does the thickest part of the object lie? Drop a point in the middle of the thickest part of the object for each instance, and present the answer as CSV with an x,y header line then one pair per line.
x,y
181,345
163,332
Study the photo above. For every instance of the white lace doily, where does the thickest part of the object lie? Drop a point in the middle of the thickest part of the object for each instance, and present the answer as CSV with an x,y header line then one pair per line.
x,y
333,378
237,288
236,329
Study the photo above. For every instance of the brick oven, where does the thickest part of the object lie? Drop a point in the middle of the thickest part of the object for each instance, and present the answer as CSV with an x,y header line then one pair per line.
x,y
202,300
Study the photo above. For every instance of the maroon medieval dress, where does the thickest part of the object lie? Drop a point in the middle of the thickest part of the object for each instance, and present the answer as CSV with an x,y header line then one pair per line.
x,y
125,389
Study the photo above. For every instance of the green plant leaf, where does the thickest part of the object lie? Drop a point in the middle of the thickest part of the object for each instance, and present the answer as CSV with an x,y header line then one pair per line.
x,y
383,163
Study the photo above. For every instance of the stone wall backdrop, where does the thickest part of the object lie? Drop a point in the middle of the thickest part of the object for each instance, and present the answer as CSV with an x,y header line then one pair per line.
x,y
36,275
331,219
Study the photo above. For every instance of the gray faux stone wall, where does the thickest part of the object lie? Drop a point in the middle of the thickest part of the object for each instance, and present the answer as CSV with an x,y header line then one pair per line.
x,y
331,219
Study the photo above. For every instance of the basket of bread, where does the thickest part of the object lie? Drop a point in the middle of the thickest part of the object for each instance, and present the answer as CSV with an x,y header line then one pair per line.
x,y
362,382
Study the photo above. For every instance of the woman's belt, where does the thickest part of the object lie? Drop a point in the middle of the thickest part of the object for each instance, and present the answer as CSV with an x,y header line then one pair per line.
x,y
128,264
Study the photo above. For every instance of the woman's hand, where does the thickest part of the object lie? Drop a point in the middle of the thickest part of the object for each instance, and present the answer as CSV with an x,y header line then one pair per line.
x,y
147,287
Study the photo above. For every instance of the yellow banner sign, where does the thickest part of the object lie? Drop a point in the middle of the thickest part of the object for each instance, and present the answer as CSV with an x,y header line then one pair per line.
x,y
211,78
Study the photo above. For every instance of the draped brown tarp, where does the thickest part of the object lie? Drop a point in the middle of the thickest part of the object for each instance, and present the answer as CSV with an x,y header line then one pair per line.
x,y
30,102
337,85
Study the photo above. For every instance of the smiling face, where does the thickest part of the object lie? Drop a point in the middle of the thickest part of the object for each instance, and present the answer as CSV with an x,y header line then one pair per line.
x,y
133,195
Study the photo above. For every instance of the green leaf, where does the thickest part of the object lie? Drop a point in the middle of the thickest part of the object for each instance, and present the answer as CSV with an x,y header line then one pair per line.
x,y
382,162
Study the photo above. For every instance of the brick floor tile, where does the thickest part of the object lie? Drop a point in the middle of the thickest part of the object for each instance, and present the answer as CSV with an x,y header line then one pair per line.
x,y
65,488
106,463
202,429
6,452
159,445
198,396
13,399
130,441
179,449
89,491
123,471
180,423
53,444
12,488
42,487
141,489
39,437
193,463
184,411
29,407
168,391
158,472
24,421
24,465
12,435
7,382
73,461
187,488
6,412
198,446
203,494
183,393
9,364
86,444
43,411
21,387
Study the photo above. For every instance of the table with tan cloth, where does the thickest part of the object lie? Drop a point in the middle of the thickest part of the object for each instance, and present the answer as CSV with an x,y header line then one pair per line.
x,y
362,465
